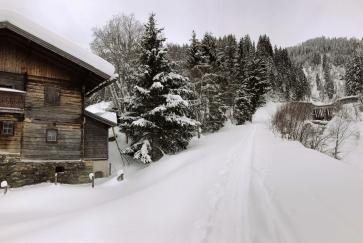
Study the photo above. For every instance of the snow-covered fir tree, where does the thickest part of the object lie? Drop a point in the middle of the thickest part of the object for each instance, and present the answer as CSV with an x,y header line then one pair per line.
x,y
227,58
243,109
301,87
264,47
264,51
256,80
212,84
194,53
158,119
204,73
289,81
212,100
329,85
209,49
354,75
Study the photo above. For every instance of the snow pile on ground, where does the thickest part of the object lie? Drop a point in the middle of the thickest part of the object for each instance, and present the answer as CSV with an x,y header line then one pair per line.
x,y
102,109
241,184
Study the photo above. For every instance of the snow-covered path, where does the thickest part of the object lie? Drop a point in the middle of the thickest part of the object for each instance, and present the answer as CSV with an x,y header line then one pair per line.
x,y
240,185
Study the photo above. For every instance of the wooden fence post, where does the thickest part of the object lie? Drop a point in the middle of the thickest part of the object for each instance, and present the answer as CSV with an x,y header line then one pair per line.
x,y
92,178
120,175
4,184
55,178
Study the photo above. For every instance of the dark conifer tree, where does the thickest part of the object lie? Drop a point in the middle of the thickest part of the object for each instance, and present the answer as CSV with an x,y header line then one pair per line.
x,y
209,49
256,81
212,84
227,59
264,47
194,53
329,85
158,119
243,108
354,75
301,87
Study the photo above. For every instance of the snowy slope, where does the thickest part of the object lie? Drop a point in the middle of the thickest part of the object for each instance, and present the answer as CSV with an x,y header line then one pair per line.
x,y
353,151
239,185
337,74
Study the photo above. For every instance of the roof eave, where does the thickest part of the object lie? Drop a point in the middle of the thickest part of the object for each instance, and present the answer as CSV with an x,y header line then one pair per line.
x,y
14,28
100,119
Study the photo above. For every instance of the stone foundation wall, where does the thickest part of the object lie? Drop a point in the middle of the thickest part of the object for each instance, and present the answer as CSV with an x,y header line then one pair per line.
x,y
18,173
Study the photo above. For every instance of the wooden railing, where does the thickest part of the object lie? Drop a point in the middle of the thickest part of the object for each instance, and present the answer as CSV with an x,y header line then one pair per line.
x,y
12,99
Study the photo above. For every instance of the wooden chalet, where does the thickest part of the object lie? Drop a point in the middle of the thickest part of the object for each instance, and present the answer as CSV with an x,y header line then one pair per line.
x,y
44,128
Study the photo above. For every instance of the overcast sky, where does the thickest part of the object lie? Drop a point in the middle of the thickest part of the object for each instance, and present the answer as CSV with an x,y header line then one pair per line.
x,y
287,22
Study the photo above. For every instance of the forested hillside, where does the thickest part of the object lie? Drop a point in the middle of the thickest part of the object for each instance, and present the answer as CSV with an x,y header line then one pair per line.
x,y
172,92
324,61
167,93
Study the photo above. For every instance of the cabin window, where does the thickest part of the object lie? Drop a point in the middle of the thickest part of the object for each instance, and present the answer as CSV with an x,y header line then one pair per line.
x,y
51,95
6,86
7,128
99,174
52,135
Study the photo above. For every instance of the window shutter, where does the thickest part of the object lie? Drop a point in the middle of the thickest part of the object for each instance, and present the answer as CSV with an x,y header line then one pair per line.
x,y
51,95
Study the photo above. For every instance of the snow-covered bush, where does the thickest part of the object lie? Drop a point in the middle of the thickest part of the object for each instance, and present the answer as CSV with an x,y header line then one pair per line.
x,y
342,128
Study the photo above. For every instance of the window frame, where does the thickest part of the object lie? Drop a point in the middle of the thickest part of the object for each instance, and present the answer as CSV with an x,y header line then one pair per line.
x,y
3,123
47,137
52,95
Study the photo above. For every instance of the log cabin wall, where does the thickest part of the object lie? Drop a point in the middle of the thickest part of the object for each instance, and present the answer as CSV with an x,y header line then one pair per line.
x,y
65,118
45,69
96,140
12,80
11,144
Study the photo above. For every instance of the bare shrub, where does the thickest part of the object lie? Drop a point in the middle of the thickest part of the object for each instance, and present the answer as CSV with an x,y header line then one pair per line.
x,y
290,120
293,121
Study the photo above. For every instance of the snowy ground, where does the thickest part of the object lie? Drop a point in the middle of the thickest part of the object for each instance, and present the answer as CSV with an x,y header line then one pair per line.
x,y
353,150
239,185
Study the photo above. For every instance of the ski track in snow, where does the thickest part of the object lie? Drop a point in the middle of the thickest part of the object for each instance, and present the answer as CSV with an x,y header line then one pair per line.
x,y
241,205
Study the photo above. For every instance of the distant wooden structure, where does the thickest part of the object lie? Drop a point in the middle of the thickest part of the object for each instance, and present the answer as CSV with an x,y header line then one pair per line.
x,y
326,112
44,127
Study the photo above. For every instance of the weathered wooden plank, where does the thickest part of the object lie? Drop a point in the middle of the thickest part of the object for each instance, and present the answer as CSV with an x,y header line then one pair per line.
x,y
96,139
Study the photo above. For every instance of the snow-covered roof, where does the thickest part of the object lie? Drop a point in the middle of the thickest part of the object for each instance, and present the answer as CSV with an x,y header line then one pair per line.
x,y
58,44
101,110
12,90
